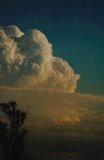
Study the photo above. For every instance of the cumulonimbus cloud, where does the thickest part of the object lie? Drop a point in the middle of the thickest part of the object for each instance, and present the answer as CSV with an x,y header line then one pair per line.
x,y
27,60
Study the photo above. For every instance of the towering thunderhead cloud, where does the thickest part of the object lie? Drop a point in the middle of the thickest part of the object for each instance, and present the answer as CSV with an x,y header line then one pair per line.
x,y
26,60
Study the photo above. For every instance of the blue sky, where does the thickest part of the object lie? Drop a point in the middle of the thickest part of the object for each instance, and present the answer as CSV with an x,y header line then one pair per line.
x,y
75,29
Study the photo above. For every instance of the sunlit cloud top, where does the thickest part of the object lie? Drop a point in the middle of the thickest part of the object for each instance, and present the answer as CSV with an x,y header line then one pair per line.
x,y
27,60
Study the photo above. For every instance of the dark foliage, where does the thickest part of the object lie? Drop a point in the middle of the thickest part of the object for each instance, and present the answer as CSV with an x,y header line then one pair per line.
x,y
12,134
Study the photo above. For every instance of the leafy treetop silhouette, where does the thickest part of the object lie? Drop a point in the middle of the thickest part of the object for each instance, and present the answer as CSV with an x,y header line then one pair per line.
x,y
12,135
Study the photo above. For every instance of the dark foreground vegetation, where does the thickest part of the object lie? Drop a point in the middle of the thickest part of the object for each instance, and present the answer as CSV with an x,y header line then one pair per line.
x,y
12,131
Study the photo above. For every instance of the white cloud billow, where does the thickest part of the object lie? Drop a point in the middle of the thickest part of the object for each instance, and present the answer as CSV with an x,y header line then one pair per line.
x,y
26,60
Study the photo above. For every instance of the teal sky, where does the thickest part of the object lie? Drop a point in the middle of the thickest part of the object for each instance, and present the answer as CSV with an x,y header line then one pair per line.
x,y
75,29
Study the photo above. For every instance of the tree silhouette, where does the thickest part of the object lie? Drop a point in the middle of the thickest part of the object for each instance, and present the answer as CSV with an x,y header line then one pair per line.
x,y
12,133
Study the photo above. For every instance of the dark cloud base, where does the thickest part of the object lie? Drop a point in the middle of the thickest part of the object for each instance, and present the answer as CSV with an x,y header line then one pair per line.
x,y
66,142
51,149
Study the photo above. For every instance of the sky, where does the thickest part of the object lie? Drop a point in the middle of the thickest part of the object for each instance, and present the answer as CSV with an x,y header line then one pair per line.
x,y
51,59
75,29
